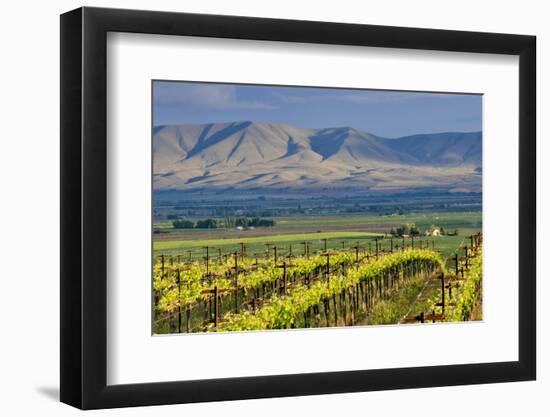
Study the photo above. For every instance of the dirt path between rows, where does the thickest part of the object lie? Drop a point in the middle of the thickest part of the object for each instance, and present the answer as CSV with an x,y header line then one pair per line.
x,y
424,299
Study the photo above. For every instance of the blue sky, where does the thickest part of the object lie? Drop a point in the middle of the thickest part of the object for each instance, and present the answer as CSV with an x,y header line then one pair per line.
x,y
384,113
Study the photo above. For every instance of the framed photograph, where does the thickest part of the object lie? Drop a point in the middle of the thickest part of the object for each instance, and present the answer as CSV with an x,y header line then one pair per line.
x,y
258,208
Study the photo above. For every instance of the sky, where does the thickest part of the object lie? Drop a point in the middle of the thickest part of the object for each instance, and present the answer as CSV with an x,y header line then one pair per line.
x,y
384,113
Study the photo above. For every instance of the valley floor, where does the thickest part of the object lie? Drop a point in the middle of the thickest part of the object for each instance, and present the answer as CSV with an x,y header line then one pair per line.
x,y
290,233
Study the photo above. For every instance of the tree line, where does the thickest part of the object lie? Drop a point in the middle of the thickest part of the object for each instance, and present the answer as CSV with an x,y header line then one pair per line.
x,y
411,229
210,223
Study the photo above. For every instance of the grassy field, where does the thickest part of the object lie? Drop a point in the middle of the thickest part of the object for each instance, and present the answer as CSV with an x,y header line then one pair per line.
x,y
466,223
257,244
448,220
418,296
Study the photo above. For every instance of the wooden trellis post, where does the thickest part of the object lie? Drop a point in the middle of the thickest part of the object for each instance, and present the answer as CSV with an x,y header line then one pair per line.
x,y
327,312
267,249
456,263
274,247
306,248
357,247
466,255
215,304
236,267
179,299
422,318
216,308
442,304
284,266
327,271
207,259
243,250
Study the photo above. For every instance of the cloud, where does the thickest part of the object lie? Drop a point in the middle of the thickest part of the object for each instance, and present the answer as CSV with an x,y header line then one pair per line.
x,y
357,96
211,96
367,97
292,99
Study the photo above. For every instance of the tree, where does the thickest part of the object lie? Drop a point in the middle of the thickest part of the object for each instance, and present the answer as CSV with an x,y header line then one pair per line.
x,y
230,222
413,230
183,224
254,222
242,222
207,224
407,229
266,223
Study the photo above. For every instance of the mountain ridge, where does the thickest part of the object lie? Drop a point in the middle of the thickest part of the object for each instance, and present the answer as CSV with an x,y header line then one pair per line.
x,y
246,154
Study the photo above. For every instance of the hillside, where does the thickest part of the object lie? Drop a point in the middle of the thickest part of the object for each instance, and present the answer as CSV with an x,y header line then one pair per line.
x,y
247,155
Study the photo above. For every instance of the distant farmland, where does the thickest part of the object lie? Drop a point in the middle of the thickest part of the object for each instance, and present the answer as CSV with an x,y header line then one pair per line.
x,y
294,230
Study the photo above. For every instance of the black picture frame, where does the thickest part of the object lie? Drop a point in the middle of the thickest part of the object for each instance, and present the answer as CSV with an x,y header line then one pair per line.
x,y
84,207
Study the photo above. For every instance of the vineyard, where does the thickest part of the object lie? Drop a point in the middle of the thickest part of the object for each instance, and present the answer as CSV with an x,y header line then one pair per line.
x,y
382,281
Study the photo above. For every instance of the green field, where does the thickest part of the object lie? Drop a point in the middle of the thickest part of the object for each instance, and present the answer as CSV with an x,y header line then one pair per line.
x,y
257,243
447,245
466,223
448,220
